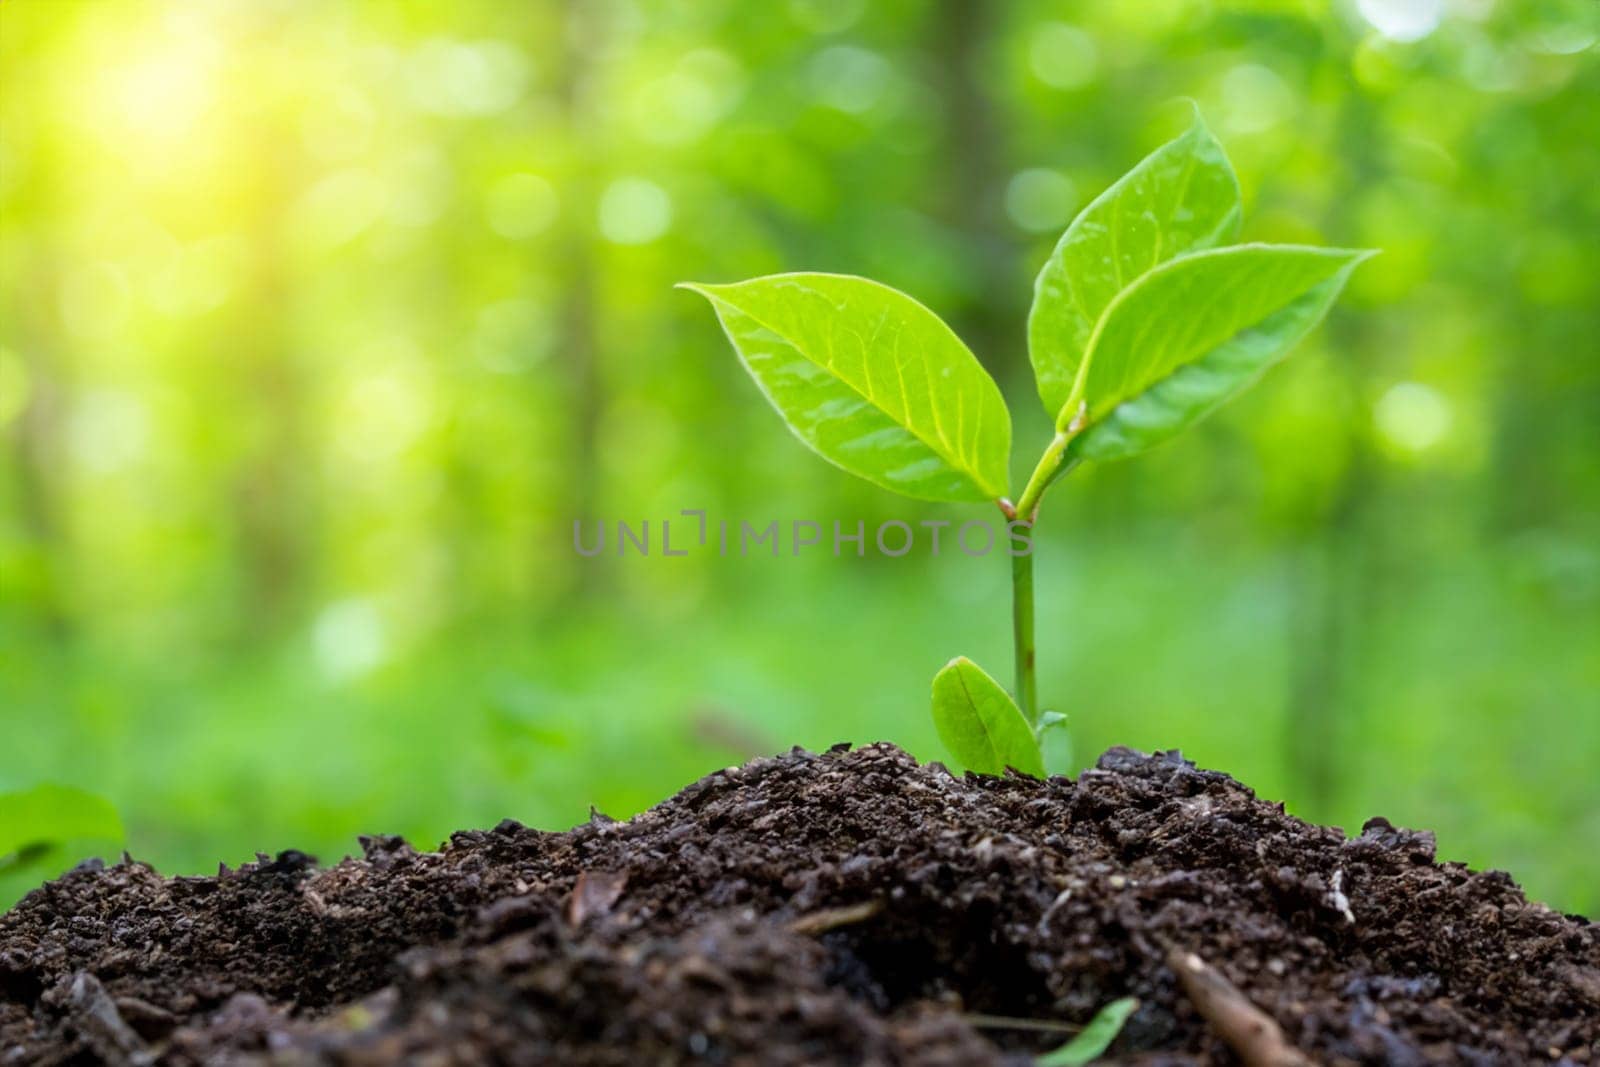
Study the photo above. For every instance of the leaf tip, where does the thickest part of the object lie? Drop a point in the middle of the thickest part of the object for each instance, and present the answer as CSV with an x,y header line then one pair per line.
x,y
1198,127
1353,258
1354,255
709,290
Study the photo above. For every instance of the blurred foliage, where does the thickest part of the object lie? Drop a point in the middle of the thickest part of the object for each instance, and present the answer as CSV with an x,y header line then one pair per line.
x,y
44,826
321,322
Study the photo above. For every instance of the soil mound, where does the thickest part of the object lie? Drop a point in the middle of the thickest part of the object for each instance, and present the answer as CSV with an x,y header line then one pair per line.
x,y
848,907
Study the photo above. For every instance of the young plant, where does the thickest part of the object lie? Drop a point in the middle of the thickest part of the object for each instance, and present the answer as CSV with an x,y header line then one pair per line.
x,y
1093,1040
1145,319
38,826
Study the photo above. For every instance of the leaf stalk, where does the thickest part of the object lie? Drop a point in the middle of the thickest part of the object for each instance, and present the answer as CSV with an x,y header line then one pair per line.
x,y
1052,465
1022,636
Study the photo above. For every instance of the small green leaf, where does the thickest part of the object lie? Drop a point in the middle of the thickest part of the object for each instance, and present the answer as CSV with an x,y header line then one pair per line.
x,y
25,857
51,814
1092,1042
1196,331
1055,742
872,381
1049,720
1181,198
979,722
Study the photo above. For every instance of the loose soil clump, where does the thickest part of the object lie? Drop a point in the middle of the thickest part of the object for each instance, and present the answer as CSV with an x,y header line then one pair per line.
x,y
849,907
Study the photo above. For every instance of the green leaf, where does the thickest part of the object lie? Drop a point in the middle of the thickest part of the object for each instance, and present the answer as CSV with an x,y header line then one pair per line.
x,y
1181,198
1055,742
1092,1042
1050,720
1195,332
872,381
51,814
979,722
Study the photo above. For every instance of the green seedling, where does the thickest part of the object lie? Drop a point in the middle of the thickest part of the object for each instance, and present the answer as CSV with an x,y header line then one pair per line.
x,y
1145,319
1093,1040
38,826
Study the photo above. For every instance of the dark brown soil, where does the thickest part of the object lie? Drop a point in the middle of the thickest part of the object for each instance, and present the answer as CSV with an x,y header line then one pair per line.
x,y
852,907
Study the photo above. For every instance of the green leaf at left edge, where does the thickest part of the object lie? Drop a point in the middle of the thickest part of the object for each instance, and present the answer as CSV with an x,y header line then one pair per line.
x,y
871,381
1197,331
979,722
1092,1042
1181,198
50,814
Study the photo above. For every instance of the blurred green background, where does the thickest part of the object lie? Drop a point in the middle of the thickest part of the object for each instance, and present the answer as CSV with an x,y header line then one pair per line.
x,y
324,320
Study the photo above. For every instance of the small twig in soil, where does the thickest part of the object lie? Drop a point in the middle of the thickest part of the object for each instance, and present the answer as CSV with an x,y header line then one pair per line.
x,y
820,922
595,893
1252,1034
1006,1022
94,1014
1340,902
1055,905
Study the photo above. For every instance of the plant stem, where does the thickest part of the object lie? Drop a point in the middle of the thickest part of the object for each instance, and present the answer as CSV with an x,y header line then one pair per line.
x,y
1024,515
1043,475
1022,635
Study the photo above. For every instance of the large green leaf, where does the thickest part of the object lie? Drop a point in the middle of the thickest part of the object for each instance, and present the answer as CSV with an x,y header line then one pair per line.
x,y
979,722
1092,1042
50,814
1194,332
1181,198
872,381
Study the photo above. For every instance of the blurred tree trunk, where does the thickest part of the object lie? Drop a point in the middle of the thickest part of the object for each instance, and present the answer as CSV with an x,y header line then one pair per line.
x,y
270,498
579,344
973,170
1329,596
36,449
1333,592
35,437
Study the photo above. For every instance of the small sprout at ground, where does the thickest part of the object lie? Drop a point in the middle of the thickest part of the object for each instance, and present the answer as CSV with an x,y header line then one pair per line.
x,y
48,815
979,722
1092,1042
38,825
1145,319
